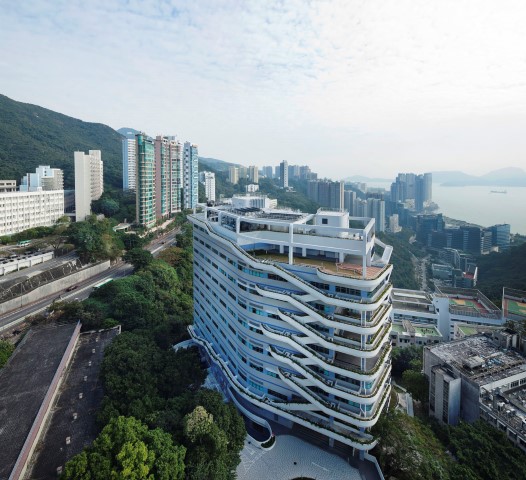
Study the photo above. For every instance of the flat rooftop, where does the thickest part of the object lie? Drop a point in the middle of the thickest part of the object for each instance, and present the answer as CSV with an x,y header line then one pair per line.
x,y
470,300
480,359
24,382
81,377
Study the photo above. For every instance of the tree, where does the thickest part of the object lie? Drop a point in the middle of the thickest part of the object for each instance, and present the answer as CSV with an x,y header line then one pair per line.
x,y
138,257
127,449
208,457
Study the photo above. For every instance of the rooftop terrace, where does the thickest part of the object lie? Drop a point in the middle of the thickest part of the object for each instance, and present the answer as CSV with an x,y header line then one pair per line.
x,y
352,270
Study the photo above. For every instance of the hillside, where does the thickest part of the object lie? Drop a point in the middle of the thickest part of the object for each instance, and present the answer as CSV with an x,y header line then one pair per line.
x,y
497,270
31,135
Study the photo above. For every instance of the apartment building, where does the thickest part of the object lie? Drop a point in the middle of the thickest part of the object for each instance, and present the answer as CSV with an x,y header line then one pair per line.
x,y
44,178
20,211
208,179
292,310
145,186
129,162
190,175
89,181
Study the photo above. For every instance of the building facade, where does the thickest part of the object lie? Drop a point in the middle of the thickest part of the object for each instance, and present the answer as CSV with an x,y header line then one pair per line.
x,y
44,178
208,179
89,181
233,175
190,175
253,174
284,174
145,183
129,161
20,211
293,311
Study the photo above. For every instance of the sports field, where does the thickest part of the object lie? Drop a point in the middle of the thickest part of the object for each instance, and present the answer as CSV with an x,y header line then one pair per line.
x,y
467,304
514,307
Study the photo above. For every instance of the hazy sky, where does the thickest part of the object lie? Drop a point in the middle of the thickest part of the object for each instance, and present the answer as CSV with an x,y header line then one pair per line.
x,y
349,87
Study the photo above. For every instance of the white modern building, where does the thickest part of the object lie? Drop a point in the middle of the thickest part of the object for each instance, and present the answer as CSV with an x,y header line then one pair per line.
x,y
129,161
208,179
20,211
44,178
252,201
435,315
88,181
292,310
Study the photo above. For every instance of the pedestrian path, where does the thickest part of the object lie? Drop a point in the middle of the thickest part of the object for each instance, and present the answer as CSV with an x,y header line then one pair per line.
x,y
291,458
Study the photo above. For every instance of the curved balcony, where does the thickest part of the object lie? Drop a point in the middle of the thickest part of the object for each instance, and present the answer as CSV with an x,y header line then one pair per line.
x,y
332,321
312,356
338,343
331,386
346,435
332,408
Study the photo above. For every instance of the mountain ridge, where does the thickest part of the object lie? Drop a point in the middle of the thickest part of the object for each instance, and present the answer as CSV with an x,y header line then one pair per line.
x,y
31,135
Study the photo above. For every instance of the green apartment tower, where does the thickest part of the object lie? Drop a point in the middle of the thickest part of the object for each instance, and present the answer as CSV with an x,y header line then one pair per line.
x,y
145,189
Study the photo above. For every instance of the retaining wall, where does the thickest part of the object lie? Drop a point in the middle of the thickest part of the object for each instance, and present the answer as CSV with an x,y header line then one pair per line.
x,y
53,287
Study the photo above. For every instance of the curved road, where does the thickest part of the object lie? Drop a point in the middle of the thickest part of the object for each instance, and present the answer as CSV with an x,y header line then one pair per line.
x,y
84,289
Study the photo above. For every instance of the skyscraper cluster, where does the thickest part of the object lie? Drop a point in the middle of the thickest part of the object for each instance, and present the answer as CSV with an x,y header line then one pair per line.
x,y
163,172
409,186
326,193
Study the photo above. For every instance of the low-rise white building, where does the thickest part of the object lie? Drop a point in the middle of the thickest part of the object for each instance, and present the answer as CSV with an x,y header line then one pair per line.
x,y
443,309
20,211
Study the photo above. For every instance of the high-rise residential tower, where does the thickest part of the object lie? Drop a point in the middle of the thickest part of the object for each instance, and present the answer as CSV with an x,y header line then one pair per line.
x,y
253,174
233,175
89,181
296,324
162,176
284,174
129,161
145,184
176,175
208,179
190,175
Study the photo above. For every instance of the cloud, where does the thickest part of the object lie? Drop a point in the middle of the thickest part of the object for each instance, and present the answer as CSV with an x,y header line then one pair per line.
x,y
330,83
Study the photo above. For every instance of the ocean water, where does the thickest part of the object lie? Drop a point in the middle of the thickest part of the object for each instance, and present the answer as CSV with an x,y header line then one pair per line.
x,y
478,205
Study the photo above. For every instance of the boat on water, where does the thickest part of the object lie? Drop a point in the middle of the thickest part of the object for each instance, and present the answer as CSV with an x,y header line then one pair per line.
x,y
498,191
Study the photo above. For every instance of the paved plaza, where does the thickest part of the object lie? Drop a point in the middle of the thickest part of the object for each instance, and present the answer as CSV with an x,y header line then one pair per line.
x,y
290,458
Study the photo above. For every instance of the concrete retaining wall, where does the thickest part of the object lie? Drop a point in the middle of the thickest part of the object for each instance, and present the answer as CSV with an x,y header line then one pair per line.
x,y
53,287
16,264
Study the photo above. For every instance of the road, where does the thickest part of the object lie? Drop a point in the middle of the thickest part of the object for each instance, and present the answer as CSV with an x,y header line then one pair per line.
x,y
84,289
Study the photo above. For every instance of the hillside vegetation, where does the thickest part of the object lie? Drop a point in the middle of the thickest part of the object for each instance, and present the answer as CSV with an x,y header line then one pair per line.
x,y
31,135
497,270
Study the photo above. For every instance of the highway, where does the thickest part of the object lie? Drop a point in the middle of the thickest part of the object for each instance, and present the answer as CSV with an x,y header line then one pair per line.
x,y
118,270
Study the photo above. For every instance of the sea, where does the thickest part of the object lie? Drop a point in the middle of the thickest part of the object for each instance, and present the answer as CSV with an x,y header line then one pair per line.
x,y
479,205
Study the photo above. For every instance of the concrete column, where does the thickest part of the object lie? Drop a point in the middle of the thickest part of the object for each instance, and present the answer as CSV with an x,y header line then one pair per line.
x,y
291,243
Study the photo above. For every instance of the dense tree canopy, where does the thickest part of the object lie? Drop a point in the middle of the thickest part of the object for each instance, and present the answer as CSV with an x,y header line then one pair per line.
x,y
128,449
95,239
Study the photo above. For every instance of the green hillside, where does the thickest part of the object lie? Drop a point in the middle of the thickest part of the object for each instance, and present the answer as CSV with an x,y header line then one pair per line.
x,y
31,135
497,270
